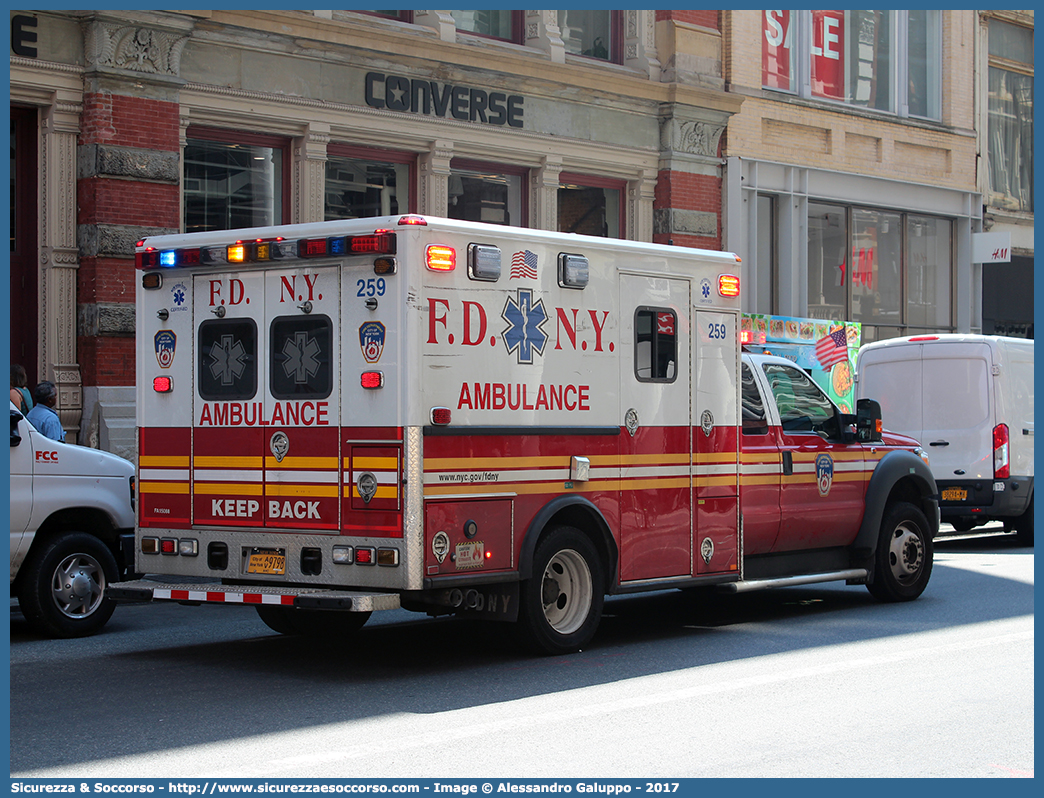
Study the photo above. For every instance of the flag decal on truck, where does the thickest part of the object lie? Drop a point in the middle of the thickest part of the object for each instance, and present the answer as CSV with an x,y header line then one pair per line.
x,y
526,320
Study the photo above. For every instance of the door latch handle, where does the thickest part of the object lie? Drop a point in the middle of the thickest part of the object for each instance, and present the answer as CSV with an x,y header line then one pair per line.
x,y
788,463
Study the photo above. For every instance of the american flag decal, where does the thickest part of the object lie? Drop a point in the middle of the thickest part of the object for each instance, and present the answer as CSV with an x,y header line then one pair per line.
x,y
831,349
524,264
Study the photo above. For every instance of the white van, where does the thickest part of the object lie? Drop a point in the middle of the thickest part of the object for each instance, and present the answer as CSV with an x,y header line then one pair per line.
x,y
72,530
969,400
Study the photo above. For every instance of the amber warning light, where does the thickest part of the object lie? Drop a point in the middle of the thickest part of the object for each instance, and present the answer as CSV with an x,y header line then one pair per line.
x,y
728,285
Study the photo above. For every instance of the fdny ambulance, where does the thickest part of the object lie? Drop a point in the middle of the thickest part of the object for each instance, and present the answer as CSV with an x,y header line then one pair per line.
x,y
350,416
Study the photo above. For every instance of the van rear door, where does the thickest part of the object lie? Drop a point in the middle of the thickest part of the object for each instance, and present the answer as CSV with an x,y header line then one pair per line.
x,y
957,427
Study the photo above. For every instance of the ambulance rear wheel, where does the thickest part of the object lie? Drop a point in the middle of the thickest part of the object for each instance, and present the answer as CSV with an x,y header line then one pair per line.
x,y
561,604
903,562
311,623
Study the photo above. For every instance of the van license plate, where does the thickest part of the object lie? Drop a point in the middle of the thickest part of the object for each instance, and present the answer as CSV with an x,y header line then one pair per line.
x,y
954,494
267,561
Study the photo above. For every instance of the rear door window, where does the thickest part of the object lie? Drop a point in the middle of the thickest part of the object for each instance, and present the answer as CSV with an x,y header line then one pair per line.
x,y
227,364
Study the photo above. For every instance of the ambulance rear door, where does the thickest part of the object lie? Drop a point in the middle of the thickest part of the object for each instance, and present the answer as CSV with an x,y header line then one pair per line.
x,y
265,445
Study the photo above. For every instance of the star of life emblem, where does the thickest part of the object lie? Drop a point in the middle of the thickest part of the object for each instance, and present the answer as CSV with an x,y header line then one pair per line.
x,y
227,360
525,332
301,357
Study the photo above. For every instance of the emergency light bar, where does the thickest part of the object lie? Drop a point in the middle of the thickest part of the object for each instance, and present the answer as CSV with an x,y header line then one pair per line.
x,y
380,242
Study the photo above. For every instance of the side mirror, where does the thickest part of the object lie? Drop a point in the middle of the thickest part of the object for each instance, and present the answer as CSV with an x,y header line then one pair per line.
x,y
15,437
868,423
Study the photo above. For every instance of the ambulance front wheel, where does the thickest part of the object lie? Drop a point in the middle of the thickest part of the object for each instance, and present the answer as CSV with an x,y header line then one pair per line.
x,y
903,562
311,623
561,603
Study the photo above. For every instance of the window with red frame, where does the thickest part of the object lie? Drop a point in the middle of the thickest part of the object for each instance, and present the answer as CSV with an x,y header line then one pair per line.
x,y
234,179
592,33
491,23
590,205
492,193
366,182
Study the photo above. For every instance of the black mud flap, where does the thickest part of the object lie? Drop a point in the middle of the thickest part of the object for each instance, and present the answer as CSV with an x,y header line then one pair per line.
x,y
497,602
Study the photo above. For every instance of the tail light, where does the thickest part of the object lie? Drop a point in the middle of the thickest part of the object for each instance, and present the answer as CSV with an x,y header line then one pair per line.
x,y
1001,464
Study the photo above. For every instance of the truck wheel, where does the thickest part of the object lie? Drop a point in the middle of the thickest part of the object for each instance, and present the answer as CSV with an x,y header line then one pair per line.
x,y
62,586
1024,526
311,623
561,604
904,555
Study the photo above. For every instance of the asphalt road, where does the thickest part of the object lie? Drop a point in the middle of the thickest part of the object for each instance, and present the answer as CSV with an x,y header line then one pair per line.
x,y
812,681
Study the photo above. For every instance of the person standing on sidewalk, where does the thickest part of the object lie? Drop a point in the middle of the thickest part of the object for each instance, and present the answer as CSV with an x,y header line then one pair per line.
x,y
19,392
43,416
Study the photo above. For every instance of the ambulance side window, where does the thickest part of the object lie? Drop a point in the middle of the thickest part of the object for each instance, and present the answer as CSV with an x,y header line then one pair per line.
x,y
754,420
227,360
655,344
802,406
300,362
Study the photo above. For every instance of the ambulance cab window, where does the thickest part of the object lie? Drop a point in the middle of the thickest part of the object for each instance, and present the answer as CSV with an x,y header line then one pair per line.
x,y
802,405
227,360
655,344
754,421
300,362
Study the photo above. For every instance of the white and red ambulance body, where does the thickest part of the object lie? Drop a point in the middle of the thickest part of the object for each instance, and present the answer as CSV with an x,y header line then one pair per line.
x,y
450,416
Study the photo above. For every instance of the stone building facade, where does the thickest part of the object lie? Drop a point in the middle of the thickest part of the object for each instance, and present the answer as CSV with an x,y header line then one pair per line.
x,y
128,123
851,188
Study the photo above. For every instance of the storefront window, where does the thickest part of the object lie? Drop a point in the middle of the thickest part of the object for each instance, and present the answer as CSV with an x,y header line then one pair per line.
x,y
852,57
359,187
232,184
890,271
875,267
591,33
592,210
929,266
479,195
827,246
493,23
1010,111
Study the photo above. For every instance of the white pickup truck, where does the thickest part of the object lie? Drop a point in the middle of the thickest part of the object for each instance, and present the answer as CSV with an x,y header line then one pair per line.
x,y
72,530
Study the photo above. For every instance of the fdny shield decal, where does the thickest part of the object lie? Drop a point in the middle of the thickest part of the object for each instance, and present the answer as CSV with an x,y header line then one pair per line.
x,y
166,342
824,473
371,341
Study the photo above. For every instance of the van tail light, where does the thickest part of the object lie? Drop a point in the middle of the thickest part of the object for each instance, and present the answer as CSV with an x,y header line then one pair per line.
x,y
1001,463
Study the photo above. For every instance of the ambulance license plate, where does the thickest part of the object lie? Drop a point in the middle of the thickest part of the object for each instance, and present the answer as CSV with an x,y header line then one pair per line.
x,y
267,561
954,494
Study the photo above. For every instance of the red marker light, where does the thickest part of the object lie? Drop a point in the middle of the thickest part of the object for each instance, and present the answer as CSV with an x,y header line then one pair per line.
x,y
441,416
162,384
413,220
372,380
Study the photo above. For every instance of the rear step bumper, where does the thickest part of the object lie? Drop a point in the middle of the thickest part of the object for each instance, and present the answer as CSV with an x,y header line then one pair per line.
x,y
318,598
